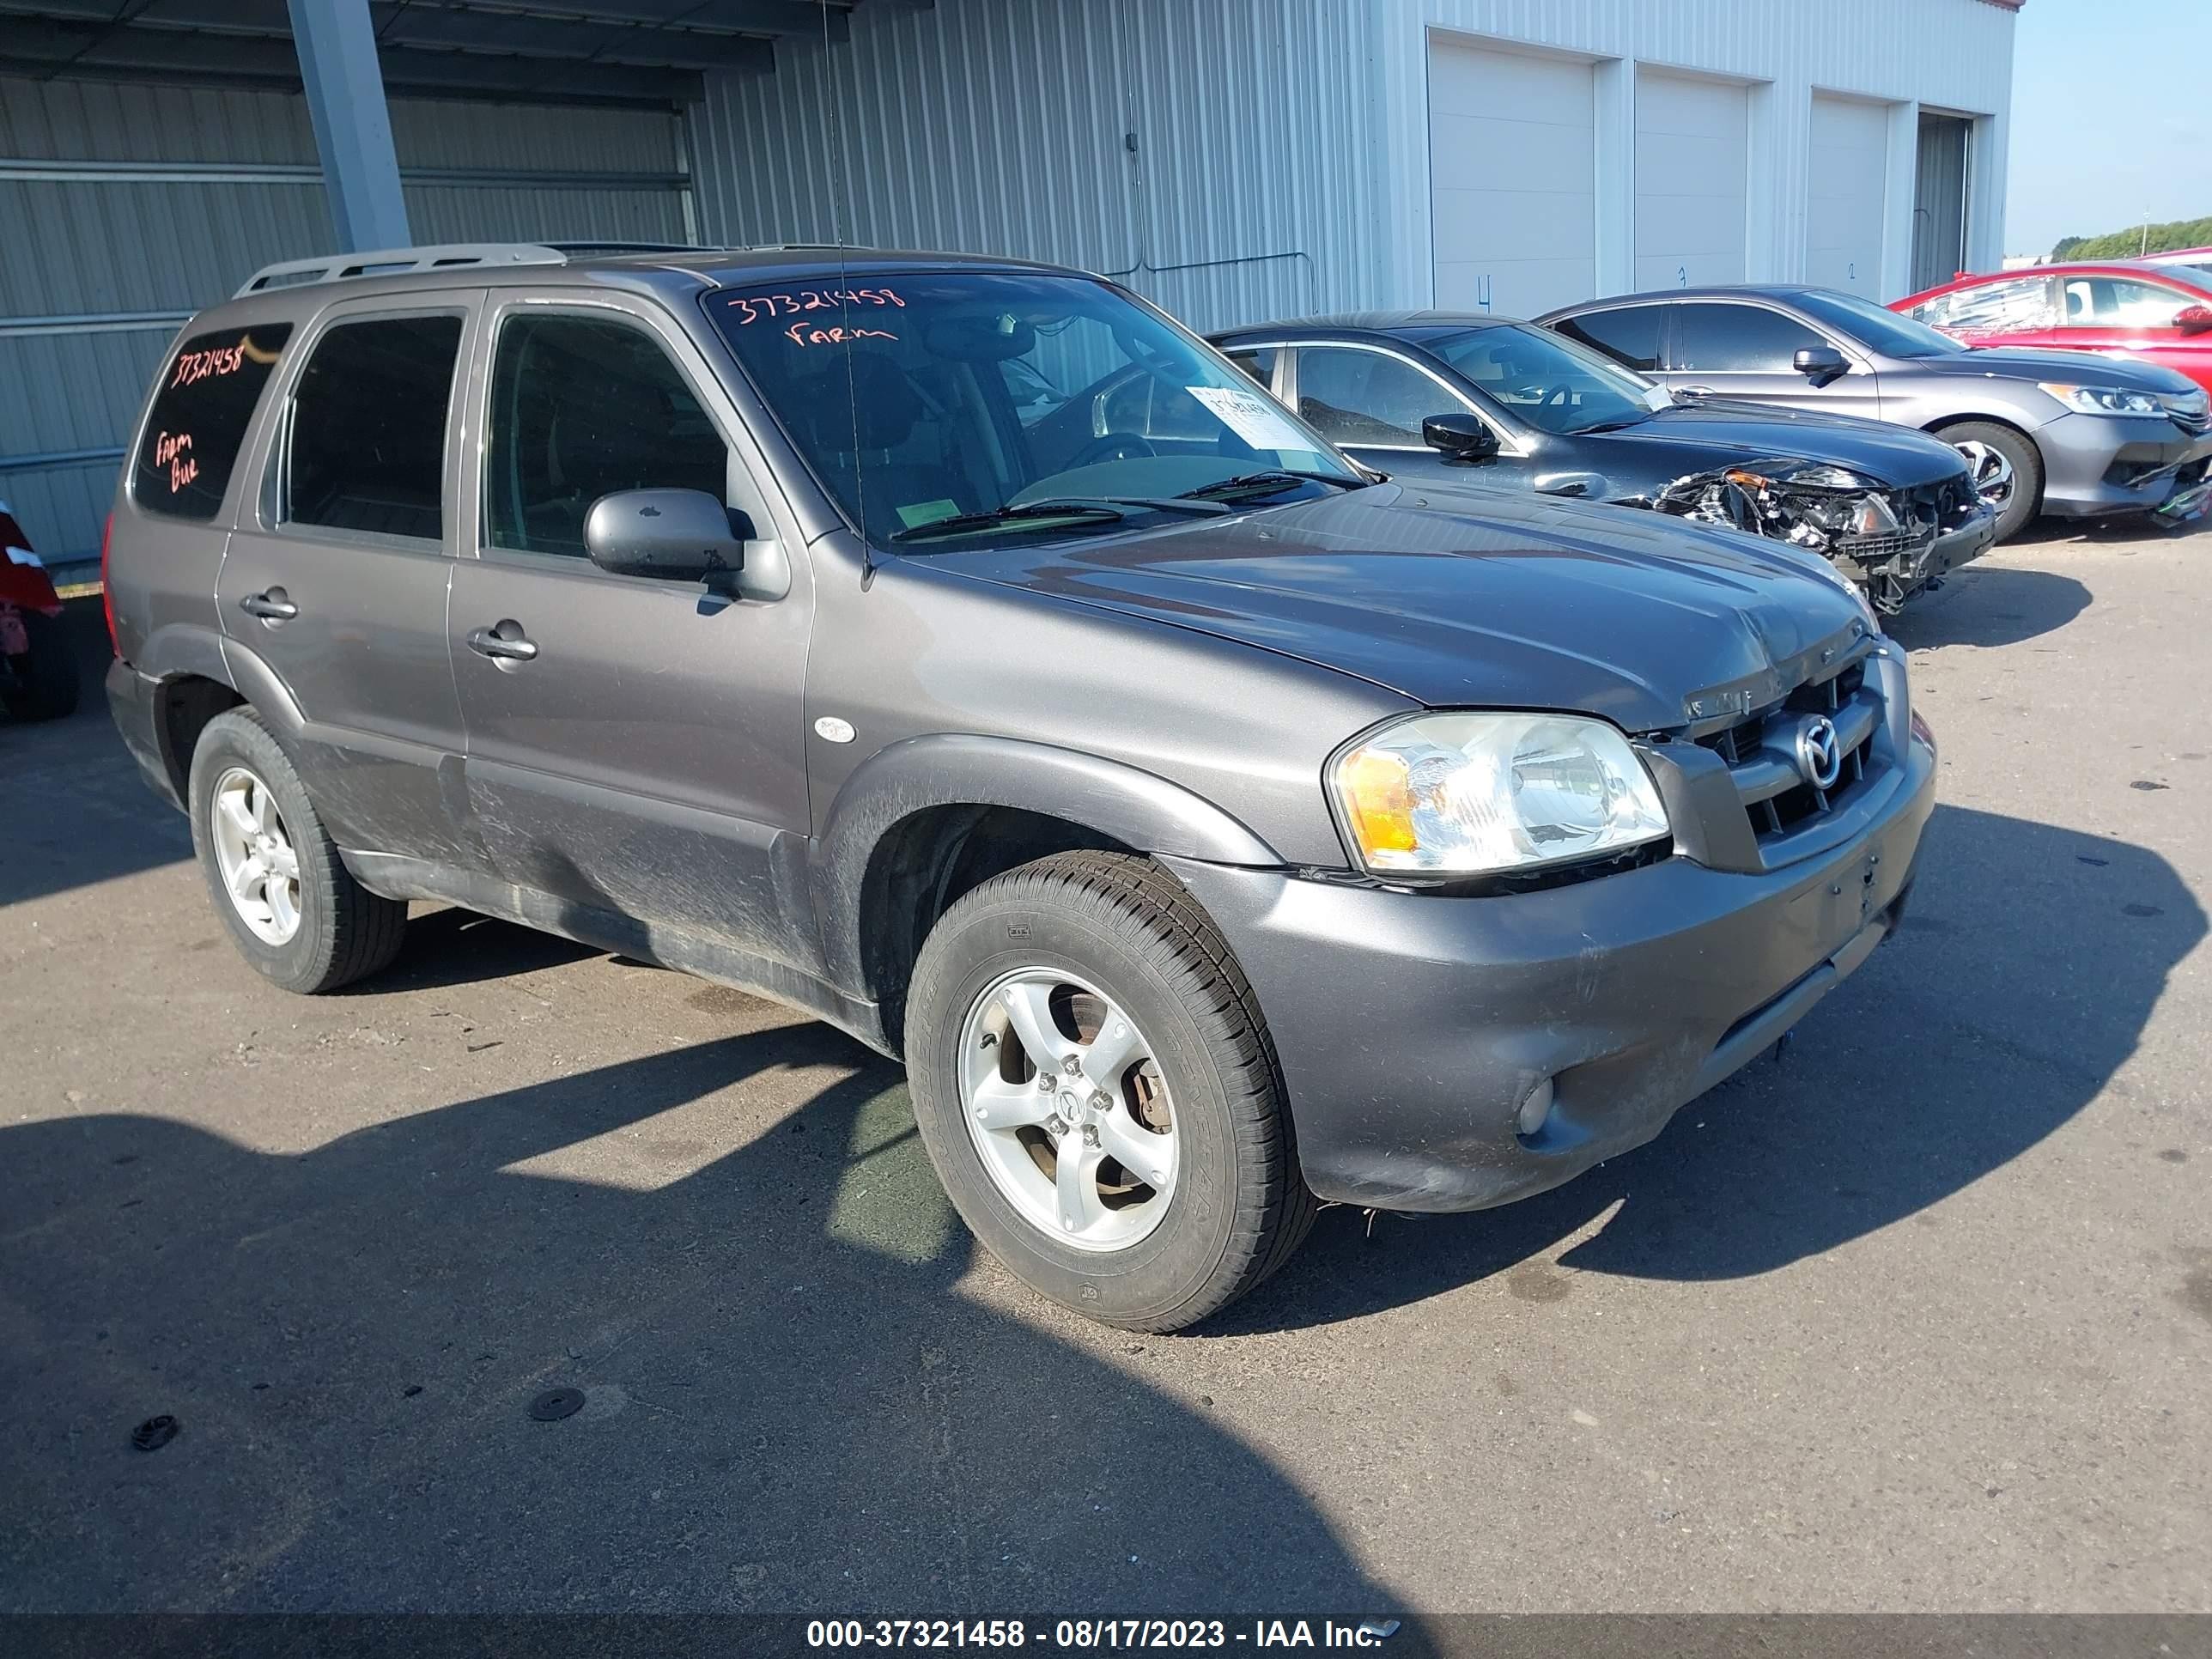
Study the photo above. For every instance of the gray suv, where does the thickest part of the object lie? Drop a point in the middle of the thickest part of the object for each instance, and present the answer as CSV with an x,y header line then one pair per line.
x,y
2072,434
1212,827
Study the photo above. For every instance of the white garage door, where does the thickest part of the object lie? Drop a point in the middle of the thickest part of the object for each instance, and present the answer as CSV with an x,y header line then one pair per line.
x,y
1512,179
1849,172
1689,181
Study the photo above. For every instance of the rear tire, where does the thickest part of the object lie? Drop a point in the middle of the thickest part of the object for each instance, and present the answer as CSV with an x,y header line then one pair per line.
x,y
45,686
1099,937
311,931
2027,461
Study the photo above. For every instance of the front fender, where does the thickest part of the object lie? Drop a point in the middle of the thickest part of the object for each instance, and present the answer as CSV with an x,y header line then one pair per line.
x,y
1132,807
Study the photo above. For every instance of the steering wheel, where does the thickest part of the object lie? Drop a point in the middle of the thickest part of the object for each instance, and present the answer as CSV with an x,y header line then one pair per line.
x,y
1112,446
1560,395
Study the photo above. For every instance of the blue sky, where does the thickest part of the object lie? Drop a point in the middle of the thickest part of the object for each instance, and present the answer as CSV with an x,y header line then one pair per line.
x,y
2111,117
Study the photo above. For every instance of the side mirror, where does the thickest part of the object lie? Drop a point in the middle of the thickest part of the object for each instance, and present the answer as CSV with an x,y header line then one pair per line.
x,y
2194,319
670,535
1820,363
1461,437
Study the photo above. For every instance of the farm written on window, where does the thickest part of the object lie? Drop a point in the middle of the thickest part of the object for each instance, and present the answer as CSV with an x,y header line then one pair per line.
x,y
207,395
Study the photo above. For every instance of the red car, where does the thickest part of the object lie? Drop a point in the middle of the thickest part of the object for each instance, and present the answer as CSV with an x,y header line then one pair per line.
x,y
2160,314
38,668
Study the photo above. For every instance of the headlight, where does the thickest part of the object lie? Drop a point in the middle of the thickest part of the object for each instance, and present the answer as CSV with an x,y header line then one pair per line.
x,y
2103,399
1474,794
1830,477
1813,475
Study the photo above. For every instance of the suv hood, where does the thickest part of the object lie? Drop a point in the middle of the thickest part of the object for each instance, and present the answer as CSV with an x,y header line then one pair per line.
x,y
1718,432
1457,597
2035,363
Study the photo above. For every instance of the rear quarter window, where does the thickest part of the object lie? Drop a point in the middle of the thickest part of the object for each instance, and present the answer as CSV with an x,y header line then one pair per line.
x,y
198,419
1627,334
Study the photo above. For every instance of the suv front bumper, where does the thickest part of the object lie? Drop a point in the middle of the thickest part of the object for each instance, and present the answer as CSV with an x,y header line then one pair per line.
x,y
1412,1027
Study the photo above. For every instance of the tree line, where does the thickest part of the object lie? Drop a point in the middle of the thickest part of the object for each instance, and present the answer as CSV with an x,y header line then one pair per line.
x,y
2128,243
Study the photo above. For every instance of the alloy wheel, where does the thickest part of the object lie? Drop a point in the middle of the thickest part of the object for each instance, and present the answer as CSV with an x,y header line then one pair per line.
x,y
1067,1106
1992,473
254,851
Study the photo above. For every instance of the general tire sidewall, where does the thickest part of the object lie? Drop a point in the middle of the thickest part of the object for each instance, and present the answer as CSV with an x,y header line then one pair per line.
x,y
1173,1262
233,740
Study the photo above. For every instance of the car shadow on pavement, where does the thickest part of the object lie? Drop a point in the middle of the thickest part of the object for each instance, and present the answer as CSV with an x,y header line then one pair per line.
x,y
2030,960
445,948
73,809
2117,531
1990,605
785,1404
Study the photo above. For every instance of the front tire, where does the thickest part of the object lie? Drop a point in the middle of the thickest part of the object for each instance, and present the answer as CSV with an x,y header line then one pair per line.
x,y
1156,1179
2023,498
293,907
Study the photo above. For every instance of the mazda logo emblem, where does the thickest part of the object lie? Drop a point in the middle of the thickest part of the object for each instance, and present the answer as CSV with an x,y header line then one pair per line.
x,y
1820,753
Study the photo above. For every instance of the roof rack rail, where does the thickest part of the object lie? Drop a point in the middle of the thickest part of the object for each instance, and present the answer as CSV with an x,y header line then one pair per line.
x,y
626,247
388,262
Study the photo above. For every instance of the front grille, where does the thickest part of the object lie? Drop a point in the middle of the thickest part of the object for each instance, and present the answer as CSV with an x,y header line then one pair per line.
x,y
1761,756
2189,412
1878,550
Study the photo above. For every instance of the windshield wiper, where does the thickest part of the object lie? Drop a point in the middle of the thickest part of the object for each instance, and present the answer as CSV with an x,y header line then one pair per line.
x,y
1610,426
1274,479
1093,509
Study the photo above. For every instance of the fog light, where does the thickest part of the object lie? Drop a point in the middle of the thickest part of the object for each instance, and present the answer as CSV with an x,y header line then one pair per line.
x,y
1535,1109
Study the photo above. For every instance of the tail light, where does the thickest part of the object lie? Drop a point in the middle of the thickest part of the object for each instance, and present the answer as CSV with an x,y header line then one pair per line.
x,y
107,591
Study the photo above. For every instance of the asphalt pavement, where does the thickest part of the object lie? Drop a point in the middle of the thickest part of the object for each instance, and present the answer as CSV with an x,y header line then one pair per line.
x,y
1915,1316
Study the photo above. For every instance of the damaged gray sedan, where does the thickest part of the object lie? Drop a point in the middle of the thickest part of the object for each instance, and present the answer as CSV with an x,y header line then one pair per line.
x,y
1480,400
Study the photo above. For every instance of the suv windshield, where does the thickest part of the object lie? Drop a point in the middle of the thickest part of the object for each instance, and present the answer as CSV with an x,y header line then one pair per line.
x,y
943,406
1872,326
1546,379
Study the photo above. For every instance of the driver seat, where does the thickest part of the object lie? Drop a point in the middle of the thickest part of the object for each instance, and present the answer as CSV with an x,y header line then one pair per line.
x,y
878,436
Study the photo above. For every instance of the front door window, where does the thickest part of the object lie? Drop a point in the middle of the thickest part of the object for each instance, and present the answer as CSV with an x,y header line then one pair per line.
x,y
1366,398
583,407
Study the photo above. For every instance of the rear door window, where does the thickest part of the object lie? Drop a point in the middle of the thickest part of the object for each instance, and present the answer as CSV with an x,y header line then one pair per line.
x,y
1627,334
199,417
2012,306
1258,361
368,451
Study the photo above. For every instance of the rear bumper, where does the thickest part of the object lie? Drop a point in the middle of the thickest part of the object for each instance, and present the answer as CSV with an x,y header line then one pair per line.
x,y
2095,465
1410,1028
132,705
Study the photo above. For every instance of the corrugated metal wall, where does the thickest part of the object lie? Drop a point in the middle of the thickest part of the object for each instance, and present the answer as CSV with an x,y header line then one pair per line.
x,y
1002,125
128,206
1282,146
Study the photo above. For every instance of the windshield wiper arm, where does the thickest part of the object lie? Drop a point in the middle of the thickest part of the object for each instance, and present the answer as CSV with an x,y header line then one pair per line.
x,y
1195,508
1610,426
1096,509
998,515
1277,477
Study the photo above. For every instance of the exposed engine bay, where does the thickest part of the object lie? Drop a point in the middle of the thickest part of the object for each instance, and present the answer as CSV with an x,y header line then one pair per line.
x,y
1893,543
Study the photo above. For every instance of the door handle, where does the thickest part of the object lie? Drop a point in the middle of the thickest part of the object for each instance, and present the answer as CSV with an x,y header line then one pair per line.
x,y
271,606
503,646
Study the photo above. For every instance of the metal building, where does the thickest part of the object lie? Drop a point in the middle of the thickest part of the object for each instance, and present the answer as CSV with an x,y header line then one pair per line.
x,y
1238,158
1233,159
